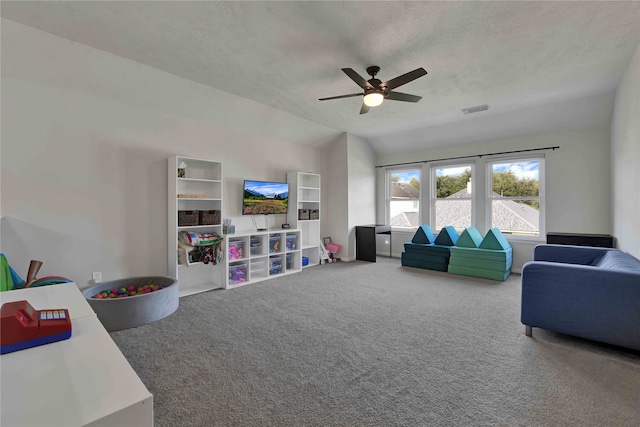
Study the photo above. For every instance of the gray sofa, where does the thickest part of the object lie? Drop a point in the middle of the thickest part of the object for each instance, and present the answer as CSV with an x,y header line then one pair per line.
x,y
583,291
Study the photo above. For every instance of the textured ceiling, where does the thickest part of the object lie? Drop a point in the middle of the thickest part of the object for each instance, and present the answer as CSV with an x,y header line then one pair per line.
x,y
532,62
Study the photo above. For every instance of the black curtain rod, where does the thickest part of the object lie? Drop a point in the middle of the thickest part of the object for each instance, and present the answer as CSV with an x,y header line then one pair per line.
x,y
468,157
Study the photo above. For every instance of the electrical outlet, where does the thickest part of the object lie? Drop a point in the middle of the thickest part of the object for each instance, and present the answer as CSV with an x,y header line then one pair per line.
x,y
96,277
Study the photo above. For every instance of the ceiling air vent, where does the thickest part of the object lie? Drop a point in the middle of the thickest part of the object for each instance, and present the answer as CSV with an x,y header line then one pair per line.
x,y
475,109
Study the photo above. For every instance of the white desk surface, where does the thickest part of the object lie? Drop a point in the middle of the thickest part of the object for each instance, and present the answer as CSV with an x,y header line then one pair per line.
x,y
65,295
75,382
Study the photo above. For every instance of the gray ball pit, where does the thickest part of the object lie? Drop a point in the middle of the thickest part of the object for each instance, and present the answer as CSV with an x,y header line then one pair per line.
x,y
130,312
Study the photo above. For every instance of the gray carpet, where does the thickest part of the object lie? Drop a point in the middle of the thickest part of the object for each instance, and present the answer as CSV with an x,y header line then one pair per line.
x,y
375,344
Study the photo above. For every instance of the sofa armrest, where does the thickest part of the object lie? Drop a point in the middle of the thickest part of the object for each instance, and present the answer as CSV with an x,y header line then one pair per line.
x,y
569,254
585,301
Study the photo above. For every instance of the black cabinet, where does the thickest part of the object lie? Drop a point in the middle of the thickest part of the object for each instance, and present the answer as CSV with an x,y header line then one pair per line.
x,y
578,239
366,241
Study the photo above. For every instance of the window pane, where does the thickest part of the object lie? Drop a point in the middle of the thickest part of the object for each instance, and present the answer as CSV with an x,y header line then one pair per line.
x,y
513,180
453,212
404,204
515,216
516,179
454,182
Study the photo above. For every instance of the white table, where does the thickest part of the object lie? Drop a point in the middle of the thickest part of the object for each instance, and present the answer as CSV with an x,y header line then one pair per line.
x,y
84,380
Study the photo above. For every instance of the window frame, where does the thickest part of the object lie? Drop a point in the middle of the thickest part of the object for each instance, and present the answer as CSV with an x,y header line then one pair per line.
x,y
388,173
540,158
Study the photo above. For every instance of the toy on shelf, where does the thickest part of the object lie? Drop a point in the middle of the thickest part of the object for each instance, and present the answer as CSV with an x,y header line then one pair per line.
x,y
236,250
237,274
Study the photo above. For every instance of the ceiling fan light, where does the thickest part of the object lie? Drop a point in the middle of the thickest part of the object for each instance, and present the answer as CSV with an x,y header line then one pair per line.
x,y
373,99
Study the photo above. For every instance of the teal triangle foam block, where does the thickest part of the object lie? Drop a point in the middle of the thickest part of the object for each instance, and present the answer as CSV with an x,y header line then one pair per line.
x,y
495,240
423,235
470,238
448,236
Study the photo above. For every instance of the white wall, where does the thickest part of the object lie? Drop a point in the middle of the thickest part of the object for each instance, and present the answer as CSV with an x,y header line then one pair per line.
x,y
85,141
334,199
577,179
625,160
362,187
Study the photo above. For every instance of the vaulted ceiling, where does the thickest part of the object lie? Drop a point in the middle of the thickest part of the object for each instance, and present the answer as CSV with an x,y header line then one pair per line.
x,y
538,65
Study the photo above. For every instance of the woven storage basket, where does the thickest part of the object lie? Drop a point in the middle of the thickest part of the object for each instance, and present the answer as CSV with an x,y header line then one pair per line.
x,y
303,214
187,218
314,214
211,217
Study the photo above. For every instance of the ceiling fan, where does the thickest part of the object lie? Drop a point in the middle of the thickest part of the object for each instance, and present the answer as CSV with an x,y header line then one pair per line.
x,y
376,91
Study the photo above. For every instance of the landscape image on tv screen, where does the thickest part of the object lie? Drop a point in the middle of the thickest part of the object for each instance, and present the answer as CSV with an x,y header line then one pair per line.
x,y
265,198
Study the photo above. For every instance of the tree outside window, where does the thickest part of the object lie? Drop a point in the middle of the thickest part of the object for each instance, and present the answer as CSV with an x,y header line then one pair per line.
x,y
452,202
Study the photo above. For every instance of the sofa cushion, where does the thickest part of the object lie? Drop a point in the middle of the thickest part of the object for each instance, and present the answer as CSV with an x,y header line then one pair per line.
x,y
617,260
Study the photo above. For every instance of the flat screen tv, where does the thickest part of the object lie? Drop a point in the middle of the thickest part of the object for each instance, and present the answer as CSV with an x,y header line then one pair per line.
x,y
265,198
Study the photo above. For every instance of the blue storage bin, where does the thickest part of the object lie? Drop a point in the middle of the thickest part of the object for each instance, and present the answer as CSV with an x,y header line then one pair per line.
x,y
275,265
305,261
292,241
237,273
274,244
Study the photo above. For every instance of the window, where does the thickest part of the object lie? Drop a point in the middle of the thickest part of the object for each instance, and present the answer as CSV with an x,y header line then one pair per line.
x,y
403,195
451,199
516,196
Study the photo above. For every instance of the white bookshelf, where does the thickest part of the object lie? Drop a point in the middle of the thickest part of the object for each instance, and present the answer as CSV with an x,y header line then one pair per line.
x,y
200,189
304,195
255,256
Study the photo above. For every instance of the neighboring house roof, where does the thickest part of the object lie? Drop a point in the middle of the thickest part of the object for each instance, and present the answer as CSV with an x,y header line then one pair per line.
x,y
510,215
507,215
404,190
405,219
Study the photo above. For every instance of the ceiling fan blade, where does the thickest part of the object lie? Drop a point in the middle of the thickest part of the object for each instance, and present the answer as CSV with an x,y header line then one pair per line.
x,y
399,96
341,96
364,109
404,79
357,78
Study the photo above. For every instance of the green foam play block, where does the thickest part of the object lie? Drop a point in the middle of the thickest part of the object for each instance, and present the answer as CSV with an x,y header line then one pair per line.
x,y
481,263
423,235
470,238
448,236
494,240
477,253
478,272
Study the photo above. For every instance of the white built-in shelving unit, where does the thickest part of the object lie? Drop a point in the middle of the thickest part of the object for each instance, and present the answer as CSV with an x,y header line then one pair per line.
x,y
255,256
200,189
304,212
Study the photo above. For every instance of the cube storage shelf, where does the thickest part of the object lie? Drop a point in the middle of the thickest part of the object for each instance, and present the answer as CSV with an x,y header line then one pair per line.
x,y
304,212
255,256
194,189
